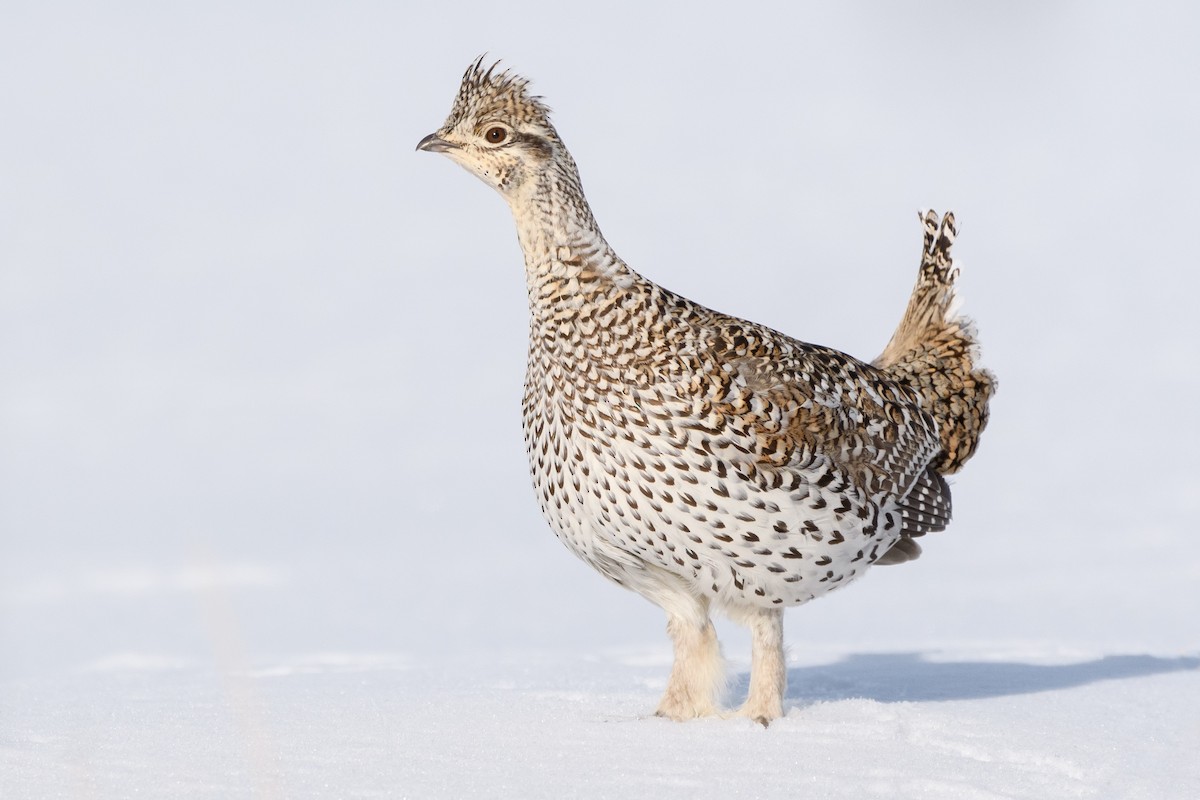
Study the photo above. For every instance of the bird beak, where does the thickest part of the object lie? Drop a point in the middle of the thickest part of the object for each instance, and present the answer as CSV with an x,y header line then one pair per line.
x,y
434,144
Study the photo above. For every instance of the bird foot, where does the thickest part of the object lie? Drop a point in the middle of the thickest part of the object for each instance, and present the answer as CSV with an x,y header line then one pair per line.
x,y
681,706
764,713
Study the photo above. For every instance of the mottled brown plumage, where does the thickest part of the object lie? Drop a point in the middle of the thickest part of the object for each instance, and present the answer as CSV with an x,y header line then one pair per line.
x,y
704,460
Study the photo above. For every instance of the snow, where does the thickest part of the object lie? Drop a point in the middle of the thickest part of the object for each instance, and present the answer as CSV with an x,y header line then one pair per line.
x,y
324,680
542,724
265,525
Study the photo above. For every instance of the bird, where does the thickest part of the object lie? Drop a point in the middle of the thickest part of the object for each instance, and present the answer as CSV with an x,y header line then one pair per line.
x,y
709,463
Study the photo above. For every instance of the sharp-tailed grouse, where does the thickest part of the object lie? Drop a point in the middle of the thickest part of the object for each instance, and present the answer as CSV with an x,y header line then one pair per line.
x,y
699,459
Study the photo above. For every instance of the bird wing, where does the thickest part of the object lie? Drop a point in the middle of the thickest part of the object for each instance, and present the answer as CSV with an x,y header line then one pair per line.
x,y
815,415
814,401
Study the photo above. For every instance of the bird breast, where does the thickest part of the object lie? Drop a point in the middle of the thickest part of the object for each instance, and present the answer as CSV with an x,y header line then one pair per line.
x,y
638,476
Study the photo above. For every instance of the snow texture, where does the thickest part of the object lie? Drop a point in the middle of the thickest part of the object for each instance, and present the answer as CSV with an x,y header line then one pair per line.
x,y
265,522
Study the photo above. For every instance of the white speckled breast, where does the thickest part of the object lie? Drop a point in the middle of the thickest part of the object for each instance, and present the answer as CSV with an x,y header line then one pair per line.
x,y
624,486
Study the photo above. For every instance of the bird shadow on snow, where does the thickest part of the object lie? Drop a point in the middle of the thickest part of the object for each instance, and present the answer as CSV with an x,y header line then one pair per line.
x,y
910,677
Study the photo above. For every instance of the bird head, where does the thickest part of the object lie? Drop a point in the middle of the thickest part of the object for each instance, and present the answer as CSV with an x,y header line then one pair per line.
x,y
497,130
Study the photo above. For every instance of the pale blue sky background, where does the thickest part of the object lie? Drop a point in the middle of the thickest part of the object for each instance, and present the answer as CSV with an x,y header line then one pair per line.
x,y
243,323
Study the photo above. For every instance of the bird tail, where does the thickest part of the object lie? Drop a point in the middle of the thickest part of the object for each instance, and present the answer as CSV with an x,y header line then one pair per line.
x,y
935,351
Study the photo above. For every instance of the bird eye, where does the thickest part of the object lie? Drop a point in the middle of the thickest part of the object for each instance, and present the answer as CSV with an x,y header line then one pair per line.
x,y
496,135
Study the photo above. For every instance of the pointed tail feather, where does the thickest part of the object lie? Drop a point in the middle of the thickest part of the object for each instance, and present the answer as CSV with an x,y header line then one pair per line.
x,y
936,352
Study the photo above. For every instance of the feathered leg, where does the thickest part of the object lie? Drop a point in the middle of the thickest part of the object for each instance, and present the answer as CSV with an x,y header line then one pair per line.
x,y
768,669
698,675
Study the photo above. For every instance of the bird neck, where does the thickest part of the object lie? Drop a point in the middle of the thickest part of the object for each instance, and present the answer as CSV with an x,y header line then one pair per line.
x,y
568,263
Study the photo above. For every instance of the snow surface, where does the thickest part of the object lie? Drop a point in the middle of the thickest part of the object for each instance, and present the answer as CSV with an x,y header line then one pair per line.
x,y
265,525
553,725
